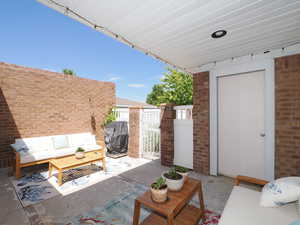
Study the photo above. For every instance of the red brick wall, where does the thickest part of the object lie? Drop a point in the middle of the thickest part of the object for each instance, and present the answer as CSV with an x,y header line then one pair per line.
x,y
201,122
38,103
287,125
168,114
134,132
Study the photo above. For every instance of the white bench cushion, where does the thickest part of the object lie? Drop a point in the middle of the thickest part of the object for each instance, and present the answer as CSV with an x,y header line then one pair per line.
x,y
40,148
36,156
60,141
72,150
35,144
77,140
243,208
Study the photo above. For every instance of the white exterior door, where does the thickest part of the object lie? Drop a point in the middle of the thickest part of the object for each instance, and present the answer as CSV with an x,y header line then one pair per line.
x,y
241,119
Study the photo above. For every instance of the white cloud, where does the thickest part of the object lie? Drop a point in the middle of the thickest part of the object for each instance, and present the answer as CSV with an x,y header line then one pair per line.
x,y
136,85
115,78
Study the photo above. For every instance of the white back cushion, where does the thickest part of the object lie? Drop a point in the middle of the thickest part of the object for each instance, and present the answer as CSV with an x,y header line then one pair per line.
x,y
44,143
35,144
60,141
81,139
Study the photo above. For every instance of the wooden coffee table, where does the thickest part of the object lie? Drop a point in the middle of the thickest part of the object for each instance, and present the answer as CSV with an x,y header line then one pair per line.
x,y
176,210
70,162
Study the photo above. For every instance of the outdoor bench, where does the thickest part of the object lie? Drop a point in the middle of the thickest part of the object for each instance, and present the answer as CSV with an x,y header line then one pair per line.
x,y
39,150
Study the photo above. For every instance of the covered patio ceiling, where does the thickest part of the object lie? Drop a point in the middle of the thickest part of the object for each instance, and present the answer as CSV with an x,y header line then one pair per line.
x,y
179,32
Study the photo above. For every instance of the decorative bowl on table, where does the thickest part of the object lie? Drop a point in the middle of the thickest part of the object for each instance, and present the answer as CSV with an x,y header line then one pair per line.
x,y
79,154
182,171
174,180
159,190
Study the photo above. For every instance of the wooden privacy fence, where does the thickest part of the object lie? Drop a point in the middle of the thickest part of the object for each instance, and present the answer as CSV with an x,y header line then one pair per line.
x,y
183,136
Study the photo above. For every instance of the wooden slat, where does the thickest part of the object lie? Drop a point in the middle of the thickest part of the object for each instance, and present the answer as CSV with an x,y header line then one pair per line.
x,y
190,215
71,161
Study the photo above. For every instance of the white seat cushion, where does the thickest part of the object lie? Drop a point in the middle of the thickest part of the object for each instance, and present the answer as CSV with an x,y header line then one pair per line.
x,y
72,150
92,147
35,156
64,151
243,207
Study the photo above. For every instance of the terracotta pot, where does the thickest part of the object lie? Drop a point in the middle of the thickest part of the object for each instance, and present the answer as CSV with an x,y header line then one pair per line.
x,y
79,155
159,195
185,175
174,185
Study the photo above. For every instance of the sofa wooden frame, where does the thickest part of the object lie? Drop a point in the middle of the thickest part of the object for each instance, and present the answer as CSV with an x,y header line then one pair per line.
x,y
250,180
18,165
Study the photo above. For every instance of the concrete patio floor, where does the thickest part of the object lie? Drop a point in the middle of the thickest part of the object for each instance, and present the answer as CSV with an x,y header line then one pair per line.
x,y
216,191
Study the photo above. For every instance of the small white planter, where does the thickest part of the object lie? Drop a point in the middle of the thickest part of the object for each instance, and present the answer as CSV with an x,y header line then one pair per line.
x,y
159,196
173,185
79,155
185,175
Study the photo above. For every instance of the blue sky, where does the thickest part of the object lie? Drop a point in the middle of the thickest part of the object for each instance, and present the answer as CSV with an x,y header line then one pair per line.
x,y
36,36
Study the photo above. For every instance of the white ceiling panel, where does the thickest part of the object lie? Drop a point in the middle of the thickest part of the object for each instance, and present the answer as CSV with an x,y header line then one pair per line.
x,y
179,32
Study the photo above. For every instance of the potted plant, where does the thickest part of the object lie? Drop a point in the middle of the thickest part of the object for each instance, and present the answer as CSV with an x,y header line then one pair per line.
x,y
159,190
182,171
79,154
173,179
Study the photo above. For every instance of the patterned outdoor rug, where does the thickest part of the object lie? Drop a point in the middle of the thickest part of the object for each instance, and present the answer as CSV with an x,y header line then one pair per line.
x,y
36,187
120,211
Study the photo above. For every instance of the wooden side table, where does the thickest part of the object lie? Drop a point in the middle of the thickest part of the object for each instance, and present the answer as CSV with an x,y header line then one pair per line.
x,y
176,210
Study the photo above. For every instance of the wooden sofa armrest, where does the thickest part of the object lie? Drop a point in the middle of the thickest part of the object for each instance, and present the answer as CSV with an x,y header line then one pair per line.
x,y
251,180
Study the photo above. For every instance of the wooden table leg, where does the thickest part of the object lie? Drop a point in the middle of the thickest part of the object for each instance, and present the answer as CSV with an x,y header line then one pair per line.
x,y
104,164
50,169
136,215
201,202
170,220
60,177
18,167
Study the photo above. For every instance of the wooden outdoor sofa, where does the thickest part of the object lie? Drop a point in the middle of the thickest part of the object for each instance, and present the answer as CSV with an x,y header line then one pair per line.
x,y
243,207
39,150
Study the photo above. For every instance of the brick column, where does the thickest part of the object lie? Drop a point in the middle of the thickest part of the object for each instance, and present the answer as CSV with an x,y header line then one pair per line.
x,y
287,116
168,114
134,132
201,122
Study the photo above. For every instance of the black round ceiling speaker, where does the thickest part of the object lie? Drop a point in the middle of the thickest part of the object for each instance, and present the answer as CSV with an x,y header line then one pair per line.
x,y
219,34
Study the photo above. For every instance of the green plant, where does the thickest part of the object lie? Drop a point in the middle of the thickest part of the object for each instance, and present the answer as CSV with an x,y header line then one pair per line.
x,y
173,175
80,150
110,117
68,72
181,169
175,87
159,184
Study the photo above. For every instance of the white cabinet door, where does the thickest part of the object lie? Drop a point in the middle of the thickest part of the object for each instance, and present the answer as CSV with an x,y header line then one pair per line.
x,y
241,124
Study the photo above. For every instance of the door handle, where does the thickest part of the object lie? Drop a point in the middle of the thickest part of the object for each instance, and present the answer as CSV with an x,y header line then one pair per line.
x,y
262,134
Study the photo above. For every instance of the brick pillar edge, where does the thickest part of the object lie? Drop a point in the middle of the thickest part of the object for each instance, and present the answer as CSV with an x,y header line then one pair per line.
x,y
201,154
168,114
134,132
